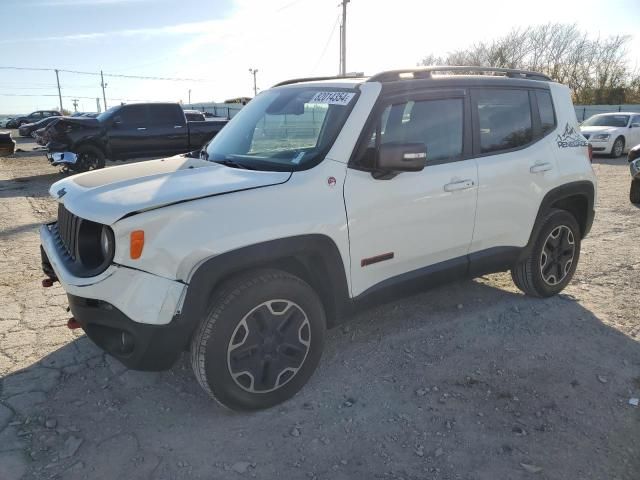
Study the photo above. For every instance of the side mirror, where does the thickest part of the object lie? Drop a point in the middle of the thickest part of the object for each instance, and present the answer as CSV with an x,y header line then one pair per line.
x,y
402,157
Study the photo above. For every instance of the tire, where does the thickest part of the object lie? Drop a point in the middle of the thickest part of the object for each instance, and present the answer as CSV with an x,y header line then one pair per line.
x,y
618,148
541,273
247,309
634,191
89,158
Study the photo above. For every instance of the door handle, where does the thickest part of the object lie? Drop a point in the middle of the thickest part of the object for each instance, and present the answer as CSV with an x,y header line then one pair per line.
x,y
461,185
541,167
141,128
178,126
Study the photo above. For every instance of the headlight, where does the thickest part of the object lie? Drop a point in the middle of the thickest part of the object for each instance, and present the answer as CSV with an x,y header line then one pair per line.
x,y
106,242
96,246
601,137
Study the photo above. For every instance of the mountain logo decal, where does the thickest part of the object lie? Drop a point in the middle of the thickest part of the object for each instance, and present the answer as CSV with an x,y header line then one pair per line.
x,y
570,138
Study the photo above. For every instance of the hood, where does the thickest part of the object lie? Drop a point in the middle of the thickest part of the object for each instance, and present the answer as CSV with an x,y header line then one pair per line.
x,y
82,121
598,129
107,195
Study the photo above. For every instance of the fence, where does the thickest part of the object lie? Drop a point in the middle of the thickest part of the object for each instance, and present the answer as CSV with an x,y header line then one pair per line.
x,y
226,110
585,111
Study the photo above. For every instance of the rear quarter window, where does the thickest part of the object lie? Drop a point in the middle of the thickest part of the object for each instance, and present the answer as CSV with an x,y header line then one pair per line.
x,y
547,114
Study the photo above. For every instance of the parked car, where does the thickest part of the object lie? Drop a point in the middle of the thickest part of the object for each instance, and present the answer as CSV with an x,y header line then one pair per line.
x,y
124,132
33,117
7,144
5,121
634,166
372,188
194,116
28,129
612,133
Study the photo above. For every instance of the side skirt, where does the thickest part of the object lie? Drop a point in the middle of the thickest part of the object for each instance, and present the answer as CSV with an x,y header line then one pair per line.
x,y
492,260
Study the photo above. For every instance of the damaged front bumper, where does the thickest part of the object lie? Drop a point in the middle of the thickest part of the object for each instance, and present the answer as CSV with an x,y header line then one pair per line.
x,y
62,158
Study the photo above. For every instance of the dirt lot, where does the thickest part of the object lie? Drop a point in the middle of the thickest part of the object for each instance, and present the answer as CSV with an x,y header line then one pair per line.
x,y
469,381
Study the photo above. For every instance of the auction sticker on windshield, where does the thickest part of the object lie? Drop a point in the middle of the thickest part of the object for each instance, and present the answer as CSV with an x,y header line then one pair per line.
x,y
333,98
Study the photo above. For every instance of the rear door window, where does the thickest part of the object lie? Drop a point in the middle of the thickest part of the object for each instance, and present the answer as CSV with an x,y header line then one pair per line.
x,y
504,118
165,115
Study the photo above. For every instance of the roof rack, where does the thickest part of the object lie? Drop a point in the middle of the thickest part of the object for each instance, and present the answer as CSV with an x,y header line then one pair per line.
x,y
425,72
317,79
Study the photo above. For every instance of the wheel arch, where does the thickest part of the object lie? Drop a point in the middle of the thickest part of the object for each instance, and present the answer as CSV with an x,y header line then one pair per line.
x,y
315,258
576,198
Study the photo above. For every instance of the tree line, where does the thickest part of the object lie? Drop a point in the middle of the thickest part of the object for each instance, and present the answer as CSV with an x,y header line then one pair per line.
x,y
596,69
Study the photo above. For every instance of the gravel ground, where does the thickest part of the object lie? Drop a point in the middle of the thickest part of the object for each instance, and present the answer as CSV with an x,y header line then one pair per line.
x,y
468,381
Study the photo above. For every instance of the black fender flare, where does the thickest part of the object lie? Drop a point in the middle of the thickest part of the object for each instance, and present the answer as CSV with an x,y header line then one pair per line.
x,y
582,188
316,254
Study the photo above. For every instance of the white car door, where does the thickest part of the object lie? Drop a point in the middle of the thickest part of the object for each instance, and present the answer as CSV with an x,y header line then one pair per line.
x,y
516,164
401,226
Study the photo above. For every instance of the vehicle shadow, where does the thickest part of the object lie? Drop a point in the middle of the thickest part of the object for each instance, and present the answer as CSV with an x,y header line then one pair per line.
x,y
32,186
471,380
604,160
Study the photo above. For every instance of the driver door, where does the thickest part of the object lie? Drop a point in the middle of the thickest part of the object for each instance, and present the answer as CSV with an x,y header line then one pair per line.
x,y
416,222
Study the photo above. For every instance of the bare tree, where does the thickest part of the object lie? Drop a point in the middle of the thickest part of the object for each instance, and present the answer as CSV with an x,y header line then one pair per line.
x,y
595,69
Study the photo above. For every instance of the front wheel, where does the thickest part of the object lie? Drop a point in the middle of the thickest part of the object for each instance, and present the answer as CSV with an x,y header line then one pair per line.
x,y
88,158
261,341
553,259
618,148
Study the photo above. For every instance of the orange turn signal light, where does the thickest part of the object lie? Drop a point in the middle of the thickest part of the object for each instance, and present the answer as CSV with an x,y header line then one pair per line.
x,y
137,244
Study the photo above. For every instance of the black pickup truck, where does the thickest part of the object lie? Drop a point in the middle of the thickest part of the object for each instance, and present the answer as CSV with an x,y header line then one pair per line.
x,y
125,132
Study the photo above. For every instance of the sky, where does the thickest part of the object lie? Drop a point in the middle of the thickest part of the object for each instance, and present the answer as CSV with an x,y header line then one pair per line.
x,y
214,43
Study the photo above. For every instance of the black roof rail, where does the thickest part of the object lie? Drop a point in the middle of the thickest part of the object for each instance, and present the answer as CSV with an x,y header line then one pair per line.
x,y
425,72
318,79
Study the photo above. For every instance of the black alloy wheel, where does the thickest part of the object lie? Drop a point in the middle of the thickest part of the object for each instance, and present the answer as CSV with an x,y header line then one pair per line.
x,y
557,255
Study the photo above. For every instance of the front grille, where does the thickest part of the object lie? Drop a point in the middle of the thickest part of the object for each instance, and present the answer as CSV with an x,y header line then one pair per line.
x,y
67,228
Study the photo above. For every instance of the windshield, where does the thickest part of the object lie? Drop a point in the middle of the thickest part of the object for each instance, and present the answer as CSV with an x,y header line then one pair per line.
x,y
607,121
107,113
285,129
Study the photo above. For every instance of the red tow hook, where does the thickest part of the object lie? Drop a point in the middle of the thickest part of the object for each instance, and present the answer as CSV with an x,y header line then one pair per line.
x,y
72,324
47,282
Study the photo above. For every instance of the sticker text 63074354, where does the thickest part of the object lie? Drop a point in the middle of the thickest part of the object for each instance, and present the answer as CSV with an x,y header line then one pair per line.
x,y
332,98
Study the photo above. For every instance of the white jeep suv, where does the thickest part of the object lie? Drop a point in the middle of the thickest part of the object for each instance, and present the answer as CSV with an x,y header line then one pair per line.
x,y
319,196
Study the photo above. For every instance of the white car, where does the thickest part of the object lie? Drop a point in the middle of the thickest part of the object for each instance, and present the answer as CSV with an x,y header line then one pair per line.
x,y
320,196
612,133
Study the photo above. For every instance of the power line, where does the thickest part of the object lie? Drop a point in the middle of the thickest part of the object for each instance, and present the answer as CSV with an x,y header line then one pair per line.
x,y
69,96
117,75
324,50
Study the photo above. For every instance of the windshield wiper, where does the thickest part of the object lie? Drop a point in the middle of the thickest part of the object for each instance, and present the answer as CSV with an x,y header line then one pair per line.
x,y
232,164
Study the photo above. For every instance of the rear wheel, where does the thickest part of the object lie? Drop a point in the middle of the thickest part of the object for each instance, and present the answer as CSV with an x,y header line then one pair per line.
x,y
261,341
553,258
618,148
634,191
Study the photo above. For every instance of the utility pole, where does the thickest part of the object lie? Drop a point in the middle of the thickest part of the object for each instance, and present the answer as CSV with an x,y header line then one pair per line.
x,y
75,104
98,105
103,85
254,72
343,39
59,91
189,98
